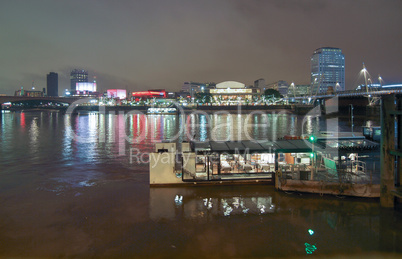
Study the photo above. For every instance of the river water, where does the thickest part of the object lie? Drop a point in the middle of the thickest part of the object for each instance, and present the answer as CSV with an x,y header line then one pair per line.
x,y
77,185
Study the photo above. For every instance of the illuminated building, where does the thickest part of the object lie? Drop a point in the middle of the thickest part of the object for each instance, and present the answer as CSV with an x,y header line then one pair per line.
x,y
192,88
298,90
233,92
327,70
77,76
86,86
117,93
280,86
150,94
260,83
26,93
85,89
52,84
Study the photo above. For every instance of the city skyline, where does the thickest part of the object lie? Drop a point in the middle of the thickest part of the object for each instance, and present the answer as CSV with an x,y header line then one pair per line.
x,y
161,44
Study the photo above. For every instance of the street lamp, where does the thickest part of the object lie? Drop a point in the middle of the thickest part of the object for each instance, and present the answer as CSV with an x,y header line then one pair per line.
x,y
312,139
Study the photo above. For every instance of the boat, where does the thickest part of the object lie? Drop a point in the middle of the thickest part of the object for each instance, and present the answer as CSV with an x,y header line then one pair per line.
x,y
372,132
337,165
160,111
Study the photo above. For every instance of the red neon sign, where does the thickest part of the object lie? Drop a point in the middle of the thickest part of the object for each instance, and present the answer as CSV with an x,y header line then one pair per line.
x,y
150,93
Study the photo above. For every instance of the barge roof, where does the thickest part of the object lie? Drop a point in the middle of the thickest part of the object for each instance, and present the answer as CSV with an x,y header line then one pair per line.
x,y
279,146
284,146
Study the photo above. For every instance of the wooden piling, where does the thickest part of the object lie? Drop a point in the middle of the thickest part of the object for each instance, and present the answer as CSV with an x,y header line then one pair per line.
x,y
387,145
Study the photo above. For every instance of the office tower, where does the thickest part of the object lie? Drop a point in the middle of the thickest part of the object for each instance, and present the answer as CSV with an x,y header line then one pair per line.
x,y
327,70
281,86
78,76
52,83
260,83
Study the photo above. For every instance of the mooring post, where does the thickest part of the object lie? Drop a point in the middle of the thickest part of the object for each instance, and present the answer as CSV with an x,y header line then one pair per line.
x,y
387,160
399,161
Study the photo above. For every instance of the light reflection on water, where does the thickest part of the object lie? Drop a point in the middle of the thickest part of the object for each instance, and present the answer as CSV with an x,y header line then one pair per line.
x,y
77,143
34,135
201,205
67,188
270,223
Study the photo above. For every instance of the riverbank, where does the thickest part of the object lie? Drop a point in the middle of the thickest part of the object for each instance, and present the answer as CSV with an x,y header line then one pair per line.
x,y
237,109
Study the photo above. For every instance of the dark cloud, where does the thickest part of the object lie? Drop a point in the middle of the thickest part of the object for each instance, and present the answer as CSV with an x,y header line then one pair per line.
x,y
161,44
309,7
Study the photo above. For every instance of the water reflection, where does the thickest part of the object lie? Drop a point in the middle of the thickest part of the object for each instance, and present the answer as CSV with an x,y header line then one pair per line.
x,y
22,120
34,135
65,197
203,127
285,224
89,136
67,138
122,131
206,204
86,136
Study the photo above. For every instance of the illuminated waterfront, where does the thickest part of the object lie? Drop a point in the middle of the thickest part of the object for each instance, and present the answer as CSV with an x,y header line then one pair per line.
x,y
68,188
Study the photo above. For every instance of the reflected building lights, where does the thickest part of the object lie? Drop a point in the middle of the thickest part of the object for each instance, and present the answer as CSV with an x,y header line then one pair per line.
x,y
230,206
67,138
34,135
203,128
178,200
87,134
121,131
110,128
22,120
140,128
309,125
292,125
161,127
102,128
274,119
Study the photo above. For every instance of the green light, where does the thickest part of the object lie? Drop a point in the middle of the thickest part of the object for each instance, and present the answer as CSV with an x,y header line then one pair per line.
x,y
310,248
311,155
311,232
312,138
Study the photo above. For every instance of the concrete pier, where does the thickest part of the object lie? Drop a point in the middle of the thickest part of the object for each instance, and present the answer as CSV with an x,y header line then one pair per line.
x,y
391,155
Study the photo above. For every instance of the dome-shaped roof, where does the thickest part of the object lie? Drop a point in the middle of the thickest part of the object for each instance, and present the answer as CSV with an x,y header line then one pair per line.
x,y
230,84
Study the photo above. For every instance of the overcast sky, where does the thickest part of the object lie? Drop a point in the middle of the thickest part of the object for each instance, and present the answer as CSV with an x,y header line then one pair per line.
x,y
153,44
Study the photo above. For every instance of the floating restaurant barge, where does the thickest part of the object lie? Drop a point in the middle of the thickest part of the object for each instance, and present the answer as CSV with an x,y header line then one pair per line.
x,y
327,165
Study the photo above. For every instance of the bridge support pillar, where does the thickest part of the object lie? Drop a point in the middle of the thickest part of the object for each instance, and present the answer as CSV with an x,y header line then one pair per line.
x,y
387,145
399,146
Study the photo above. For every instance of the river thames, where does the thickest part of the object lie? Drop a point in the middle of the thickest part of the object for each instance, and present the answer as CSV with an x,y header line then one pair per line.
x,y
70,187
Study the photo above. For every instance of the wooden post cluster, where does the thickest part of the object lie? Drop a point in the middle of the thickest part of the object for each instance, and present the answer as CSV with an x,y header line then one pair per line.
x,y
391,155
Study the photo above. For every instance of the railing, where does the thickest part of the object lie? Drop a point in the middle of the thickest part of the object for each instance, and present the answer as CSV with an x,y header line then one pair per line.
x,y
353,173
348,93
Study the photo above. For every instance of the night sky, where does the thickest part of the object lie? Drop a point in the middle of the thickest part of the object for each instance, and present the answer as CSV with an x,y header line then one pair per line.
x,y
153,44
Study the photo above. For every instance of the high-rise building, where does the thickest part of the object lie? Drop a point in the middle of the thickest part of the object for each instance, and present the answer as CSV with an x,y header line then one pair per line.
x,y
298,90
281,86
192,87
52,84
260,83
78,76
327,70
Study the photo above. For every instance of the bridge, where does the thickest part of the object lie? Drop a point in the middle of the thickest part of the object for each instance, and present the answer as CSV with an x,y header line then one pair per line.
x,y
63,100
371,91
373,95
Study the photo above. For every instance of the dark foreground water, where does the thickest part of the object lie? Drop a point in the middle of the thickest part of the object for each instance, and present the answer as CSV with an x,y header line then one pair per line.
x,y
77,186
